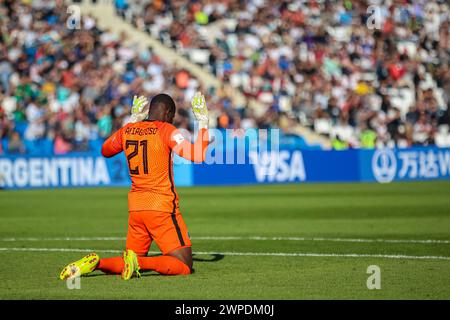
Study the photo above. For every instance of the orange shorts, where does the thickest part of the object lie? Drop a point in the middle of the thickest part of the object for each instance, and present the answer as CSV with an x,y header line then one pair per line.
x,y
166,229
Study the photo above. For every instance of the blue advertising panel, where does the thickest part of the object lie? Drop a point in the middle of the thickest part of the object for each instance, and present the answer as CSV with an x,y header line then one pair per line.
x,y
380,165
387,165
286,166
72,170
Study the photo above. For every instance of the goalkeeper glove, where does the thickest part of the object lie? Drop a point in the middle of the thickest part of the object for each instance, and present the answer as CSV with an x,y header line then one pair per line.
x,y
200,110
137,110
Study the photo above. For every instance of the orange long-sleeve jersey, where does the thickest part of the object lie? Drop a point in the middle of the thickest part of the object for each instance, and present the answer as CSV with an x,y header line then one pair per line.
x,y
148,147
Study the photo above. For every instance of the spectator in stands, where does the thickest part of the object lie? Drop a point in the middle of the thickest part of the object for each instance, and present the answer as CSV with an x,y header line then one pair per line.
x,y
15,144
62,144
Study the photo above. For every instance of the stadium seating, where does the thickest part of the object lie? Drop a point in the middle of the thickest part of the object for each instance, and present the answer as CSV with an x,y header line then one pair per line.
x,y
322,56
313,64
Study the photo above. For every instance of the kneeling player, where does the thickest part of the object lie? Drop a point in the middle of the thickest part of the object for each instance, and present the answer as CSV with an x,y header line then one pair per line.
x,y
148,142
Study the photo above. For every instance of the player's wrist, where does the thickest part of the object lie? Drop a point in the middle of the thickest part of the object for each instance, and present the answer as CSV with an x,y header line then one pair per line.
x,y
203,124
133,118
137,117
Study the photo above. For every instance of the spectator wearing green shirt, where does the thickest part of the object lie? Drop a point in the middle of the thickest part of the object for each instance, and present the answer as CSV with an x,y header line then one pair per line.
x,y
105,123
368,138
339,144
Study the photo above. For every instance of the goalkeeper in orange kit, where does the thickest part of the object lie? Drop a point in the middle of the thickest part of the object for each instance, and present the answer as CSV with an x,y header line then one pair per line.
x,y
148,141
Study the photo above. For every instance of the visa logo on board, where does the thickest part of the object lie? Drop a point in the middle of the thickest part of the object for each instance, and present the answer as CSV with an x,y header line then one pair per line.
x,y
282,166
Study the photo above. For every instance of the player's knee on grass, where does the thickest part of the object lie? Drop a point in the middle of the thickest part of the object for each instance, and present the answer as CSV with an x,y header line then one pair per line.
x,y
184,255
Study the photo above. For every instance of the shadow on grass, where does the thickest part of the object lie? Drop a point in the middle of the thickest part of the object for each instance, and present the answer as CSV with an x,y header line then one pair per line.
x,y
215,257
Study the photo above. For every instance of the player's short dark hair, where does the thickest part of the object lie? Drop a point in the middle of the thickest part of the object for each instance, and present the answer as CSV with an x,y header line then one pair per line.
x,y
165,100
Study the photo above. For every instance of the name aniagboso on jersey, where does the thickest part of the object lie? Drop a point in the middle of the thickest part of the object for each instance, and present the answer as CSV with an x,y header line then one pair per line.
x,y
148,147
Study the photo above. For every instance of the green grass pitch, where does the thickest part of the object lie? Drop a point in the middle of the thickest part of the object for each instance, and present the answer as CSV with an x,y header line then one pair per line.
x,y
243,237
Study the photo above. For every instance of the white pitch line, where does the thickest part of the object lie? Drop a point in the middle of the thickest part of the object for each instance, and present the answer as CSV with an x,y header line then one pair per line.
x,y
239,238
270,254
59,250
425,241
64,239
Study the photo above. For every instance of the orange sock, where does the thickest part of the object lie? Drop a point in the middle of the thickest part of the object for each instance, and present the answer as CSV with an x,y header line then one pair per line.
x,y
112,265
164,265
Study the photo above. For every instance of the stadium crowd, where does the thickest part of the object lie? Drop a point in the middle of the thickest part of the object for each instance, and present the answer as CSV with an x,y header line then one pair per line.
x,y
361,80
363,73
63,85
